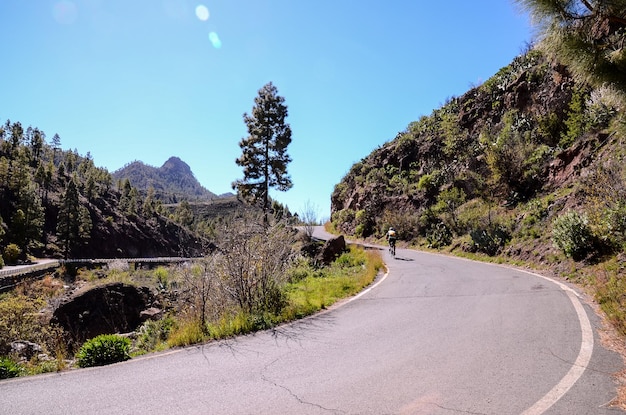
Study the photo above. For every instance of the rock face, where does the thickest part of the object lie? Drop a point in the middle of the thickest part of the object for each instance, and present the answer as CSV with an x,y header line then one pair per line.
x,y
110,308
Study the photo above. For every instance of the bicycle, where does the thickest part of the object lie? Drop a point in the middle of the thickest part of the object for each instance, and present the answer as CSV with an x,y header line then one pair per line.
x,y
392,247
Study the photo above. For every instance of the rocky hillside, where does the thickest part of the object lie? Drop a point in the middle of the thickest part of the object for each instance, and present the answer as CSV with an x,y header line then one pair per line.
x,y
172,182
490,170
57,203
526,169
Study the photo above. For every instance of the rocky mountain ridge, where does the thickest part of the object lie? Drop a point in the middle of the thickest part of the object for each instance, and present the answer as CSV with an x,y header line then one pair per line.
x,y
172,182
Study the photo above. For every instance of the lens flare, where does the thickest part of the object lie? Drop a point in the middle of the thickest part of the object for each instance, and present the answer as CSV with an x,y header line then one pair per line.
x,y
65,12
215,40
202,12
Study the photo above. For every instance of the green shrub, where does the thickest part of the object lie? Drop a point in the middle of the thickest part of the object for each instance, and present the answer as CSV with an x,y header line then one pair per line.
x,y
572,234
19,319
614,223
602,106
349,259
448,203
8,368
342,218
359,231
162,276
364,224
103,350
12,253
405,222
489,240
439,236
153,335
575,120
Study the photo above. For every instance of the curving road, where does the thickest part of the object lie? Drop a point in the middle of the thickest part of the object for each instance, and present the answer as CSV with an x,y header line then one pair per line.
x,y
436,335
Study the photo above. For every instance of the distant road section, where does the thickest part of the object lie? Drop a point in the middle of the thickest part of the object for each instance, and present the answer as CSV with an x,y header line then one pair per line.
x,y
12,275
42,264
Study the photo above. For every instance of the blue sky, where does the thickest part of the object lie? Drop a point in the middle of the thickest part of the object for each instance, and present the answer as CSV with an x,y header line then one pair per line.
x,y
149,79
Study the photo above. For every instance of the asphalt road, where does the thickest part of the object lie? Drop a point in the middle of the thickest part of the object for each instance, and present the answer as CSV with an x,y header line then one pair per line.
x,y
437,335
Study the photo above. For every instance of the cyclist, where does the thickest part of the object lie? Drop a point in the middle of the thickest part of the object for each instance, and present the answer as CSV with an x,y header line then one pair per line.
x,y
391,238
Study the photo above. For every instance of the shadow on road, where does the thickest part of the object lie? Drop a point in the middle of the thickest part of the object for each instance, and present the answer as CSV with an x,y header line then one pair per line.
x,y
398,258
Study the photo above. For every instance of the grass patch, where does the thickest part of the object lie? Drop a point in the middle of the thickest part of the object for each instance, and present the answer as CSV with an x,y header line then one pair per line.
x,y
187,332
609,284
318,290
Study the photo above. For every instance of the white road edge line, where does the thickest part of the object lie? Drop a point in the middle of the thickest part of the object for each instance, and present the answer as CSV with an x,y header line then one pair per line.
x,y
584,355
368,289
579,366
586,345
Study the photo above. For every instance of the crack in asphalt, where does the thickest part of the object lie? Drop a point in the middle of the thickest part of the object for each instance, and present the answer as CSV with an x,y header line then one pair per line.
x,y
570,363
423,403
458,411
294,395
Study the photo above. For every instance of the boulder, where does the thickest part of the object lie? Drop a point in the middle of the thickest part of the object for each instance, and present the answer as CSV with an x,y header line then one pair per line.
x,y
332,249
25,349
151,313
107,309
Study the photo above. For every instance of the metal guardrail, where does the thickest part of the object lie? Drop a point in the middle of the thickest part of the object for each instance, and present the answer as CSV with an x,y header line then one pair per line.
x,y
28,269
11,276
128,260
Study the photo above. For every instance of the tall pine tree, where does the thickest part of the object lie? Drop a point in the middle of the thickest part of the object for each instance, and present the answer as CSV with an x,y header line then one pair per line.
x,y
73,222
264,155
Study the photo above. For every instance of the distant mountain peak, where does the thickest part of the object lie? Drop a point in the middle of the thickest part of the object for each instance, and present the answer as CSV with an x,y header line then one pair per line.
x,y
172,182
177,165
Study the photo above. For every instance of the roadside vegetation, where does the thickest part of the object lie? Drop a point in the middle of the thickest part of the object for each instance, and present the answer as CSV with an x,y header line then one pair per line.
x,y
258,279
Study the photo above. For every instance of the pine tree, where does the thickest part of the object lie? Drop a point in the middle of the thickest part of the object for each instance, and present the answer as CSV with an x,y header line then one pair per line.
x,y
184,214
148,206
16,136
90,187
587,35
28,220
37,140
125,196
264,152
56,146
73,223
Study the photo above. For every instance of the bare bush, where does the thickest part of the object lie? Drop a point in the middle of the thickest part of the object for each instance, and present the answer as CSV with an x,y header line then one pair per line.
x,y
252,262
309,218
199,281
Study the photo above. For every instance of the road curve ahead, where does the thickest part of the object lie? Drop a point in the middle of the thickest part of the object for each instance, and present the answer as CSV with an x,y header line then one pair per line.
x,y
436,335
